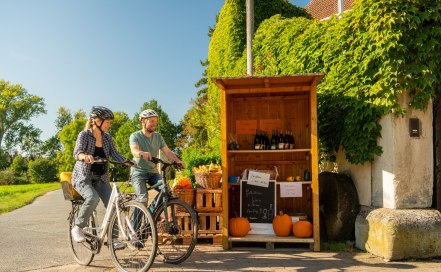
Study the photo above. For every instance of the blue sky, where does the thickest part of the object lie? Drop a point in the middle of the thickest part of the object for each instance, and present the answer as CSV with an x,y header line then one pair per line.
x,y
118,54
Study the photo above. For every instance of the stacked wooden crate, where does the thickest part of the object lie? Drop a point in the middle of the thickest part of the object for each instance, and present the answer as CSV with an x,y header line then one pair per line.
x,y
209,208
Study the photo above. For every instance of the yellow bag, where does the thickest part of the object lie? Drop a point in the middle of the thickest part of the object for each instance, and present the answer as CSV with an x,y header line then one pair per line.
x,y
68,190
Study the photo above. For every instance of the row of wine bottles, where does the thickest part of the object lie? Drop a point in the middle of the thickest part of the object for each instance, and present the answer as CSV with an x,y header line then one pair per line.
x,y
279,140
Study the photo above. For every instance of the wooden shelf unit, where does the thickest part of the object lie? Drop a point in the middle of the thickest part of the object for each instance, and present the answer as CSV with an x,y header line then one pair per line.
x,y
270,102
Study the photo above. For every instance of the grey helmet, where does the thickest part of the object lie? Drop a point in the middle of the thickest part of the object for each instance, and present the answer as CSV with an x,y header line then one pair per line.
x,y
147,114
101,112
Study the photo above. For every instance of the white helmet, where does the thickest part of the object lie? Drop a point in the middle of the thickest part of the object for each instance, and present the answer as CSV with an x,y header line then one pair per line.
x,y
147,114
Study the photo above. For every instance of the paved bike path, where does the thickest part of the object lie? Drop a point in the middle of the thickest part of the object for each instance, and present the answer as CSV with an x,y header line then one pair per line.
x,y
34,238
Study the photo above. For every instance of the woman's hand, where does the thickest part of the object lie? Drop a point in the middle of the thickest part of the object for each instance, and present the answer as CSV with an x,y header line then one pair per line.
x,y
88,159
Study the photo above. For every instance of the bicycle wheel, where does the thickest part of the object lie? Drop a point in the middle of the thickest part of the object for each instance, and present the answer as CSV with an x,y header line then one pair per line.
x,y
136,251
81,253
178,237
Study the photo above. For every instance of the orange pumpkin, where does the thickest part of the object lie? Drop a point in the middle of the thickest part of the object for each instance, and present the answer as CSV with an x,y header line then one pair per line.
x,y
282,225
302,229
239,226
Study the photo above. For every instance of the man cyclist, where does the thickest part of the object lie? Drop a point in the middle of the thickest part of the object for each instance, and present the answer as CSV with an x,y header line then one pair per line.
x,y
145,144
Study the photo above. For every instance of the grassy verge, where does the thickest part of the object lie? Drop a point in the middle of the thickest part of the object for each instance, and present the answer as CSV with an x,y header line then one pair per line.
x,y
16,196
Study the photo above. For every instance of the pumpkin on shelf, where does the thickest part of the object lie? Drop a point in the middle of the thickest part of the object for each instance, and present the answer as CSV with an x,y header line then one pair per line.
x,y
302,229
282,225
238,226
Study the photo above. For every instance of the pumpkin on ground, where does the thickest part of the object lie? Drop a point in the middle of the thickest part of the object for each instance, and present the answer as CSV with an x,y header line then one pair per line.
x,y
282,225
302,229
239,226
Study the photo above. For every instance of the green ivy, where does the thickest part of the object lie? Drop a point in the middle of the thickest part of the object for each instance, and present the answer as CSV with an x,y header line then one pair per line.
x,y
371,55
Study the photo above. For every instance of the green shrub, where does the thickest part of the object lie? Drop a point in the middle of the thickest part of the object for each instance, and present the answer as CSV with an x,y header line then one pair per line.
x,y
195,158
7,177
43,170
19,165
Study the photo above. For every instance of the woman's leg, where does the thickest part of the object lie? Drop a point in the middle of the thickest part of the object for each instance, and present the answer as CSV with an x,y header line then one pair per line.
x,y
91,200
104,190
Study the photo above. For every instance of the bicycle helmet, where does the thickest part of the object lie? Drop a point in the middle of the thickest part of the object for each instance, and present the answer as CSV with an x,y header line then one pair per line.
x,y
101,112
147,114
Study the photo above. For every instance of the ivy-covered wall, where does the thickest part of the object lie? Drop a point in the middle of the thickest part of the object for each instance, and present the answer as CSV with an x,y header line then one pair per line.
x,y
371,54
228,45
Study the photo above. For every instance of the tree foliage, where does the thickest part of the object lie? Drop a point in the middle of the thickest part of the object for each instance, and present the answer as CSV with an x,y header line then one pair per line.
x,y
68,136
17,107
227,47
19,165
371,55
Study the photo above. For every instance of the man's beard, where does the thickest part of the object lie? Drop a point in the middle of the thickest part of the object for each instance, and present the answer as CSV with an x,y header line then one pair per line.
x,y
150,130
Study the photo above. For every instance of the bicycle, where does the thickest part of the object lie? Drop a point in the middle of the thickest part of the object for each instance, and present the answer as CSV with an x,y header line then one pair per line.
x,y
132,249
177,236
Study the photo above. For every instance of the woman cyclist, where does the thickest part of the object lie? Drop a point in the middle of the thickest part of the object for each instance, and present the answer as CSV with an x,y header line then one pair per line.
x,y
91,180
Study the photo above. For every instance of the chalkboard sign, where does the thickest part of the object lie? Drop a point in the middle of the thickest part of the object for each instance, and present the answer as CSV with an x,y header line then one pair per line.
x,y
257,203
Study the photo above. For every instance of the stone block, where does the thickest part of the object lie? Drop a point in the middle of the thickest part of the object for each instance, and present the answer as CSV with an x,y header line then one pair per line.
x,y
399,234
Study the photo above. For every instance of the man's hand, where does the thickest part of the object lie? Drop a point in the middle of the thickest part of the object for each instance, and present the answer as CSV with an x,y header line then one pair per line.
x,y
181,164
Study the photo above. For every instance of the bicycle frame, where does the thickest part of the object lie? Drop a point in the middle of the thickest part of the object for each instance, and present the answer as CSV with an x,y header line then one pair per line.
x,y
164,195
112,206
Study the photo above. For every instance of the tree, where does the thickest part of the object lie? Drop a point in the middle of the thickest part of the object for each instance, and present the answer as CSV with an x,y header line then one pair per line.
x,y
122,137
120,119
17,107
68,136
63,119
51,146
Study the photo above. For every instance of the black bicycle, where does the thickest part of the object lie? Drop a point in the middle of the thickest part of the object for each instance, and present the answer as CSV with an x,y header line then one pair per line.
x,y
176,221
128,225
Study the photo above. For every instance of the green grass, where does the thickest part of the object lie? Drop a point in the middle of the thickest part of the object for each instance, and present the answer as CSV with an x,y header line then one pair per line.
x,y
15,196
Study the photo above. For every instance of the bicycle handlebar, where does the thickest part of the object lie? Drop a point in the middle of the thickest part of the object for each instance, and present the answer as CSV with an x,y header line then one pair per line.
x,y
126,163
158,160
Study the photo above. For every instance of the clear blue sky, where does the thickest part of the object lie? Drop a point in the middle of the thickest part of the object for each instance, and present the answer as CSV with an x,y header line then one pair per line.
x,y
118,54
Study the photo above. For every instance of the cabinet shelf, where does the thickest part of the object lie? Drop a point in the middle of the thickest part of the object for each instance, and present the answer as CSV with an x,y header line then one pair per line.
x,y
269,151
277,182
270,238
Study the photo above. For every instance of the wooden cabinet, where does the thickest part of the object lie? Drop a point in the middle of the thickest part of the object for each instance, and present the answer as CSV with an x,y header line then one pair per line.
x,y
267,103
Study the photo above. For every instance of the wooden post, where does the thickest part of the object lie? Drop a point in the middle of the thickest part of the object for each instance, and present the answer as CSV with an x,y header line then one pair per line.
x,y
250,33
314,166
224,139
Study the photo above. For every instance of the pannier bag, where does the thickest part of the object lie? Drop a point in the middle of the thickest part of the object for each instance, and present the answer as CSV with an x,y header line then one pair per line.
x,y
68,190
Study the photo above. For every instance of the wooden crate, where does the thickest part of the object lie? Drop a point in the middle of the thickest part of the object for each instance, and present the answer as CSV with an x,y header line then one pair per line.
x,y
210,223
209,200
184,223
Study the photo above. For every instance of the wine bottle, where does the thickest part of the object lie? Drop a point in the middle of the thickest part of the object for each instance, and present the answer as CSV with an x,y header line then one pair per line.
x,y
281,140
257,141
266,141
286,140
292,144
273,141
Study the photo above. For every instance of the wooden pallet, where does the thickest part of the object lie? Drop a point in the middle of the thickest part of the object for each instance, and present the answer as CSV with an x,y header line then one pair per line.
x,y
209,200
210,223
215,239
